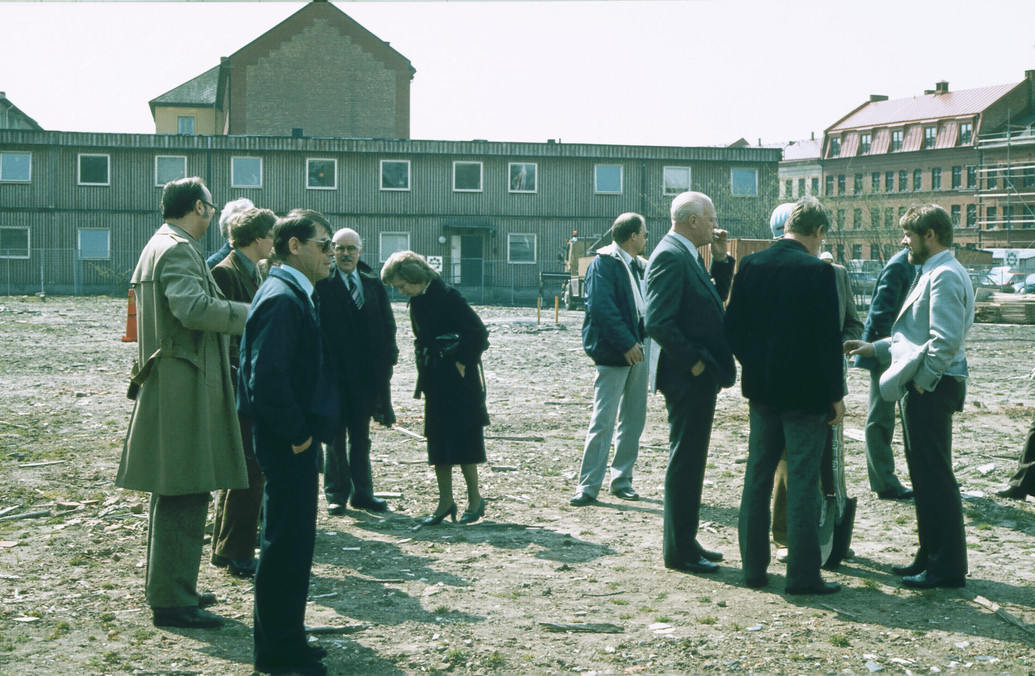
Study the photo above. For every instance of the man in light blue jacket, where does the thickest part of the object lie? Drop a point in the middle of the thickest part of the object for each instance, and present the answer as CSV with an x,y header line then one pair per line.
x,y
928,375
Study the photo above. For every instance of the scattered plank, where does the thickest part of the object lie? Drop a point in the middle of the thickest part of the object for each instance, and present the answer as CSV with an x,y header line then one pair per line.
x,y
583,627
408,432
500,438
26,515
8,510
42,464
11,424
840,612
1003,615
330,630
606,594
503,468
566,403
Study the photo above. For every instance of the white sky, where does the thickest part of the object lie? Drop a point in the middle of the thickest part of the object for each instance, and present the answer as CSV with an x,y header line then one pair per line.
x,y
651,73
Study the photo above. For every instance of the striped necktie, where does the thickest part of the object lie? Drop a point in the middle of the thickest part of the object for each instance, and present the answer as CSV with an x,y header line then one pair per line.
x,y
350,282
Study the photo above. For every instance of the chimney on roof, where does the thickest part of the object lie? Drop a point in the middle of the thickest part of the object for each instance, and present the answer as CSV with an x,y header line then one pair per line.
x,y
1029,75
877,97
813,136
941,87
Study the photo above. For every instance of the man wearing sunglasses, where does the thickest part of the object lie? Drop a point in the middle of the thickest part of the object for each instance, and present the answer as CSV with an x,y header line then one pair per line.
x,y
287,389
183,440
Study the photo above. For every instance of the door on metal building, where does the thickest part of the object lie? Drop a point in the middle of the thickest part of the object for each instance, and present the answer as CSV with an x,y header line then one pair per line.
x,y
467,259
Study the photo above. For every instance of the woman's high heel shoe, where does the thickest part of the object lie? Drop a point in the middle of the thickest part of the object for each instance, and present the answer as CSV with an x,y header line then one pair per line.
x,y
471,517
437,519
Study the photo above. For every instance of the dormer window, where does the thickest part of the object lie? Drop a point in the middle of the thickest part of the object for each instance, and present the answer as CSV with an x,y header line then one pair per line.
x,y
835,146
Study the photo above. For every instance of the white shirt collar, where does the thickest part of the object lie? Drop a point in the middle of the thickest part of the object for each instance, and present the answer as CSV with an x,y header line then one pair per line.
x,y
302,280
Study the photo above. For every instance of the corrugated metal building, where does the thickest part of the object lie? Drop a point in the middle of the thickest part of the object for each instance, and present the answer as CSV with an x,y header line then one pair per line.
x,y
79,207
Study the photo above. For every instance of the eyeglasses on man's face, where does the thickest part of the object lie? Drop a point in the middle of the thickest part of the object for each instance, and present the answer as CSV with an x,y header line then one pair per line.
x,y
209,204
351,249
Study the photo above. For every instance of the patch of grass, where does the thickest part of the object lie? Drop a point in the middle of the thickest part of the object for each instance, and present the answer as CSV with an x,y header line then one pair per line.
x,y
648,609
60,630
442,610
901,519
663,618
983,526
614,584
107,585
736,627
871,583
705,599
494,660
111,657
456,657
839,641
709,619
142,635
620,602
625,616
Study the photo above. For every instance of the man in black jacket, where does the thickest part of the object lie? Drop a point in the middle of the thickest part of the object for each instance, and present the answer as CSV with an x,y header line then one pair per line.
x,y
783,325
357,321
614,337
684,319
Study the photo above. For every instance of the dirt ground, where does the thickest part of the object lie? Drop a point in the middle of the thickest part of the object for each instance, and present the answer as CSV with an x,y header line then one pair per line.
x,y
490,597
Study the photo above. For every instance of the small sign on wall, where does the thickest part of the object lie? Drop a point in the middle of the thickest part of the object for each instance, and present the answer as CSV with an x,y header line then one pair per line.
x,y
436,263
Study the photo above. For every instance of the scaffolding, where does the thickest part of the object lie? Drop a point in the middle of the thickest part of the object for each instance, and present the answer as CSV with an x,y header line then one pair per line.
x,y
1006,186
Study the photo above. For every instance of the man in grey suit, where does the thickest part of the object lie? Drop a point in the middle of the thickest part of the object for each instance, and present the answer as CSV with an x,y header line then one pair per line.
x,y
684,319
928,375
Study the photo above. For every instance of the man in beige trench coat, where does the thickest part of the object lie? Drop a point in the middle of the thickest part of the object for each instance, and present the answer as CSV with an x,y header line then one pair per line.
x,y
183,440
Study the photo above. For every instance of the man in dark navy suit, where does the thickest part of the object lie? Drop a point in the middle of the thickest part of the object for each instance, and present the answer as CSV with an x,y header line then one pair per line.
x,y
685,319
783,323
357,322
889,293
288,391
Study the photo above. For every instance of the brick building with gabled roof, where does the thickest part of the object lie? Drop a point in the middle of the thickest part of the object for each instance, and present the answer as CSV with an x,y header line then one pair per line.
x,y
886,155
318,73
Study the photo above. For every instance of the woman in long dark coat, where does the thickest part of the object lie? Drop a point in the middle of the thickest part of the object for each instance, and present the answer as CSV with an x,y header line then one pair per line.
x,y
449,341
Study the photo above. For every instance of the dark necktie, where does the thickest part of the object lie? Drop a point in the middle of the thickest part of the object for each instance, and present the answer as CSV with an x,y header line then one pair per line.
x,y
637,267
916,280
700,261
350,282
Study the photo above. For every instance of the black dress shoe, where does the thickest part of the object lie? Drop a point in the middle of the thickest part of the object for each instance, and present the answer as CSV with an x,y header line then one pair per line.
x,y
335,508
370,504
701,565
757,582
925,580
818,589
243,568
708,554
305,666
206,599
914,568
582,499
625,494
188,617
900,493
1013,492
316,652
